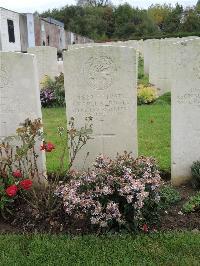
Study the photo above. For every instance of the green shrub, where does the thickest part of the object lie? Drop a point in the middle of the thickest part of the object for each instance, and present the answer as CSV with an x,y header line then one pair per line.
x,y
168,196
193,204
52,93
164,99
195,169
146,94
122,193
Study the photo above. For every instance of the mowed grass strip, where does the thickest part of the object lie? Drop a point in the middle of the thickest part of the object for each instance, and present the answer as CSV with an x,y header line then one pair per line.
x,y
153,133
154,130
154,249
52,119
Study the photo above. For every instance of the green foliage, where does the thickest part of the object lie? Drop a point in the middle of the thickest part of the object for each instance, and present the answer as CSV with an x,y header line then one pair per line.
x,y
195,169
193,204
172,22
53,92
103,22
168,196
191,21
163,99
146,95
159,13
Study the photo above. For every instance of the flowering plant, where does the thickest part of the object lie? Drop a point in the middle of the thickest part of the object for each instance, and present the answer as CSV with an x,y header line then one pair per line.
x,y
11,185
47,97
18,154
48,147
146,94
52,91
18,161
116,193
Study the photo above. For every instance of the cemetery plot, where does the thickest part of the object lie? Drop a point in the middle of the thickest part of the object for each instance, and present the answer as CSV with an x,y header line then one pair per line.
x,y
100,82
19,96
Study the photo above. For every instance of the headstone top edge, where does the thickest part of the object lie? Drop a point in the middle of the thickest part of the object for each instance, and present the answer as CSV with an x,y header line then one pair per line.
x,y
17,54
97,46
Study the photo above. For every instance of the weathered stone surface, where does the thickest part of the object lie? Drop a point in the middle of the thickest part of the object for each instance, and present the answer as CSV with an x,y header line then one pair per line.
x,y
147,55
46,60
100,81
154,61
60,67
160,64
19,95
185,109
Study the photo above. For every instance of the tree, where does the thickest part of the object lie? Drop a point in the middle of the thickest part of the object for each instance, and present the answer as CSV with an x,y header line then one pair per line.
x,y
191,21
172,22
158,13
94,3
101,21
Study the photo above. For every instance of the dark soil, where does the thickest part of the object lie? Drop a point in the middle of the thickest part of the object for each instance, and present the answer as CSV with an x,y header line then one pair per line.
x,y
26,220
174,219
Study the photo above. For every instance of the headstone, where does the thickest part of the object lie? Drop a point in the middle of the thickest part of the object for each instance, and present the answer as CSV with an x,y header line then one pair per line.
x,y
147,54
101,81
19,96
60,67
185,110
46,61
160,65
154,61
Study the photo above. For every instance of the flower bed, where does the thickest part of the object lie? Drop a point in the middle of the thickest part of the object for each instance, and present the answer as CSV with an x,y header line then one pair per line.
x,y
120,193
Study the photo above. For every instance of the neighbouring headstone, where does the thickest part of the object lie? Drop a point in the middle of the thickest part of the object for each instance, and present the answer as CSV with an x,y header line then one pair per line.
x,y
60,67
154,61
19,97
147,55
46,61
185,109
101,81
160,65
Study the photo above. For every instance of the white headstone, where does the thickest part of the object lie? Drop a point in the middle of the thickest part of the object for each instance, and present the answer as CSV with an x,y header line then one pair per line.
x,y
19,96
147,54
46,61
185,110
160,65
60,67
154,61
101,81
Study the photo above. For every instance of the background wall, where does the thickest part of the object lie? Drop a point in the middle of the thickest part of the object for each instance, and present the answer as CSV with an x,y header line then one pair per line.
x,y
6,45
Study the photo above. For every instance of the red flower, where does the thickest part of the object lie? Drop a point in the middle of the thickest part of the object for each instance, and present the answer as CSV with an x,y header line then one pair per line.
x,y
48,147
17,174
26,184
145,228
11,191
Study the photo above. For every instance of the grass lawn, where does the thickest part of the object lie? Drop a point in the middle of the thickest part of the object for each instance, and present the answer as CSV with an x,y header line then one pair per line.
x,y
155,249
153,133
52,119
153,128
